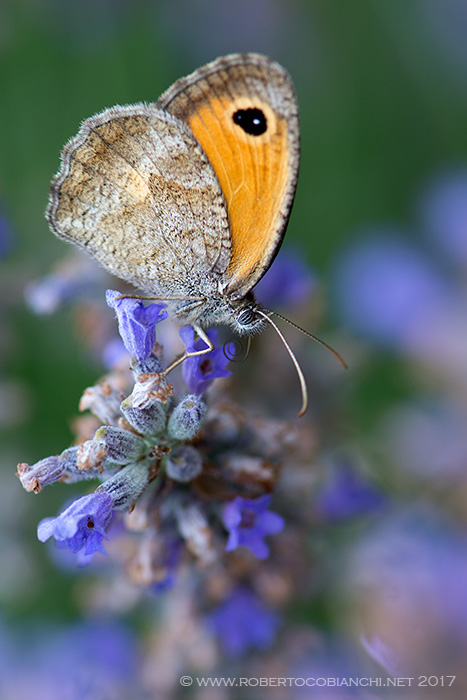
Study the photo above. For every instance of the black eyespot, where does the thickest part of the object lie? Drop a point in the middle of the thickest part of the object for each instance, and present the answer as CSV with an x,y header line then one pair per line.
x,y
252,121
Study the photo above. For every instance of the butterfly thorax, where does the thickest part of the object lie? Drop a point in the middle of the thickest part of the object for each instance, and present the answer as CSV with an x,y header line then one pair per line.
x,y
240,314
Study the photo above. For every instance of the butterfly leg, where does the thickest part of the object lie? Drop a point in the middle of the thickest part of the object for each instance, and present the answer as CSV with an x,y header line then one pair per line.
x,y
195,353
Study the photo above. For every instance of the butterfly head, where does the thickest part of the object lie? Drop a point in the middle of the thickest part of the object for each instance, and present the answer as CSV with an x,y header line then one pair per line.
x,y
243,315
246,319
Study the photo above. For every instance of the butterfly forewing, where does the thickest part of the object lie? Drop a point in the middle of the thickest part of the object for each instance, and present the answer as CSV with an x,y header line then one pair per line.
x,y
257,168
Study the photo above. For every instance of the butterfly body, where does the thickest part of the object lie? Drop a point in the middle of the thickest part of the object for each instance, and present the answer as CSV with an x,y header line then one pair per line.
x,y
188,198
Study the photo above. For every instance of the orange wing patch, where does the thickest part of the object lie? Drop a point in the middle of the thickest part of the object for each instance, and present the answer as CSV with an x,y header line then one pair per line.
x,y
253,171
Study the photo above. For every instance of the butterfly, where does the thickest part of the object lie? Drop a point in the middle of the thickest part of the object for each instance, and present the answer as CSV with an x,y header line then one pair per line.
x,y
188,198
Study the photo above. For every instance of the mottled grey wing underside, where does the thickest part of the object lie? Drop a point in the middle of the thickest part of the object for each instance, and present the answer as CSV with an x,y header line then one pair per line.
x,y
138,193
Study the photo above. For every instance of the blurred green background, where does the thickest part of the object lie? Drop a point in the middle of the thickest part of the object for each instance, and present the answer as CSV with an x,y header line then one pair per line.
x,y
381,86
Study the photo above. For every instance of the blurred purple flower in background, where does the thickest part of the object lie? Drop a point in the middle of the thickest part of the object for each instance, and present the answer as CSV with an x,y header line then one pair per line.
x,y
114,354
443,213
427,438
346,494
289,282
171,554
243,623
75,279
383,286
408,577
393,295
92,660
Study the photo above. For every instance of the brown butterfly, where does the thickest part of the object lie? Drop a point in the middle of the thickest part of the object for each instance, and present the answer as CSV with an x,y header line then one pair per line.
x,y
188,198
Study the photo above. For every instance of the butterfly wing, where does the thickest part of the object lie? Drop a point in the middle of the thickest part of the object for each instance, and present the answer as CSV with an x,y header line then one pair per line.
x,y
256,162
137,192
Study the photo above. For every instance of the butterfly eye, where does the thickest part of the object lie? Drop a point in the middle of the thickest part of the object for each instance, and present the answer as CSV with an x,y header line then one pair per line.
x,y
247,318
252,121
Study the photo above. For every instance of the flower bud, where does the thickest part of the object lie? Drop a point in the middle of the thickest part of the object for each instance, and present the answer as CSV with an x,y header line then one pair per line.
x,y
103,400
184,464
121,446
45,472
148,389
149,421
91,455
187,418
127,485
78,462
150,365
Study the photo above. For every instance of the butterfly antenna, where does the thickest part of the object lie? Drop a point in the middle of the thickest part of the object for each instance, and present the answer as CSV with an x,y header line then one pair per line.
x,y
313,337
301,376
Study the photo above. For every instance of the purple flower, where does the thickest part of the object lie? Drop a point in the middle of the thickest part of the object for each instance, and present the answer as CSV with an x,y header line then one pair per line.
x,y
81,527
410,572
73,280
288,282
443,210
428,439
384,288
115,354
347,494
136,323
242,622
200,371
248,522
170,558
92,660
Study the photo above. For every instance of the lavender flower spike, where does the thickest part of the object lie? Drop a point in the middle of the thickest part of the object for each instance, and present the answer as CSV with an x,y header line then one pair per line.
x,y
136,323
248,522
81,527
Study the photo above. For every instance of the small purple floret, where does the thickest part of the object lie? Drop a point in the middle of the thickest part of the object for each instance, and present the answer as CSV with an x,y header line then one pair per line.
x,y
81,527
248,522
200,371
242,622
136,323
